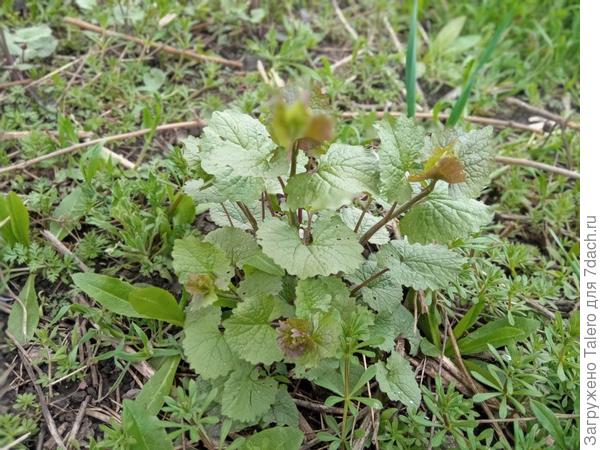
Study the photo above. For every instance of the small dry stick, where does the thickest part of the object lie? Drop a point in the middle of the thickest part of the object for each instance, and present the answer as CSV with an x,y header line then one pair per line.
x,y
319,407
537,165
363,213
542,112
104,140
61,248
38,390
80,414
161,47
344,21
499,123
15,135
472,384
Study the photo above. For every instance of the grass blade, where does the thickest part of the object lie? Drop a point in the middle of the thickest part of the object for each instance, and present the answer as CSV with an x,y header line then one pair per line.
x,y
410,70
460,104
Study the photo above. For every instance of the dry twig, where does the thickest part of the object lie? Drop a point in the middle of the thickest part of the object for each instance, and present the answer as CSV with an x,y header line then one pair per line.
x,y
542,112
155,45
104,140
38,390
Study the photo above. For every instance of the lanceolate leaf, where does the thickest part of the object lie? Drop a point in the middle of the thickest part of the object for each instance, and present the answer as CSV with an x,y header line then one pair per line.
x,y
156,303
440,218
334,247
144,428
497,333
14,220
343,172
400,151
110,292
25,313
247,395
204,346
398,381
70,210
152,395
420,266
249,332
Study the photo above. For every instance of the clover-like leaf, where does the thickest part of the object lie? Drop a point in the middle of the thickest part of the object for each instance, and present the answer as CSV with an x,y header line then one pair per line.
x,y
343,172
334,247
420,266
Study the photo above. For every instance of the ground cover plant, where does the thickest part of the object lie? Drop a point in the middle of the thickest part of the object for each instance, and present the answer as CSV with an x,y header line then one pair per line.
x,y
296,259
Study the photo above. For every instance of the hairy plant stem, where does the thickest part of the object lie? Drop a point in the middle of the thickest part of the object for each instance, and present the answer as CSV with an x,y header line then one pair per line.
x,y
393,212
346,394
356,288
248,215
362,215
293,168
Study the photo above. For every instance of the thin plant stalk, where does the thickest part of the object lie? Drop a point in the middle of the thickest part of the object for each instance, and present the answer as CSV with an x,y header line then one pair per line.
x,y
410,71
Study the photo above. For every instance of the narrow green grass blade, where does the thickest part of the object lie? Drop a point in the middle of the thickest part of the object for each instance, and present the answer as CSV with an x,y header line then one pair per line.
x,y
460,104
410,70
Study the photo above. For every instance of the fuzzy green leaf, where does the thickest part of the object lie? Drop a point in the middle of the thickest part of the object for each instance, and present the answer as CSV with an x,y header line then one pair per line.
x,y
204,346
398,322
334,247
225,187
315,295
400,151
440,218
238,143
193,256
475,151
383,293
420,266
235,243
249,332
344,172
398,381
25,313
283,411
247,396
278,438
257,283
